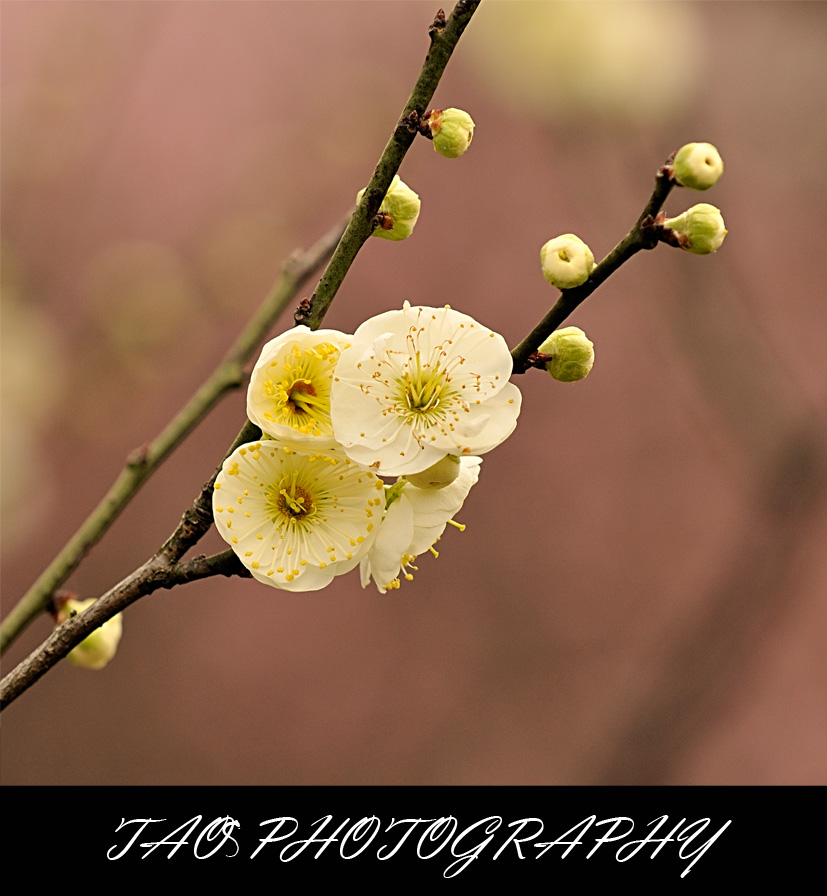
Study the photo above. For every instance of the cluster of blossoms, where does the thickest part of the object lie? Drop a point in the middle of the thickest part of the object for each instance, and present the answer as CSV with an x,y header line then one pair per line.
x,y
415,395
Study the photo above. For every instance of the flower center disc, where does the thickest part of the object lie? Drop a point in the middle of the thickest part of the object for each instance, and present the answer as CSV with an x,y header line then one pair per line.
x,y
421,391
298,398
292,501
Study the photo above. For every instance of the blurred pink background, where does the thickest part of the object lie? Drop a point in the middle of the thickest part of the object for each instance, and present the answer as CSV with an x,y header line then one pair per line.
x,y
639,595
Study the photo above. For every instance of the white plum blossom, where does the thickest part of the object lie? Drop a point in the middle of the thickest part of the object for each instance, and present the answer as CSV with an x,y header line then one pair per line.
x,y
296,518
418,384
289,393
414,521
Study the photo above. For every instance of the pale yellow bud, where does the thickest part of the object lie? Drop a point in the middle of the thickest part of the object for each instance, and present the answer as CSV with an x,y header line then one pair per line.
x,y
699,229
572,354
567,261
698,166
98,648
452,130
442,473
398,212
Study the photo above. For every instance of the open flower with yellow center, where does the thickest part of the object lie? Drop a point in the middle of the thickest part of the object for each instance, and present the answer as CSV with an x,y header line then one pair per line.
x,y
289,393
413,522
296,518
421,383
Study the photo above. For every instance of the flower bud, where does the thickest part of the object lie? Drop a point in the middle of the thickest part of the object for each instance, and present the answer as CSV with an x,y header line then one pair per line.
x,y
567,261
442,473
398,212
699,229
572,354
698,166
96,649
452,130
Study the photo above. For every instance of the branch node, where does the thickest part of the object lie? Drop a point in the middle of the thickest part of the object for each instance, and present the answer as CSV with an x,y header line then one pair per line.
x,y
58,599
535,359
383,221
425,126
410,123
139,457
438,25
303,312
652,231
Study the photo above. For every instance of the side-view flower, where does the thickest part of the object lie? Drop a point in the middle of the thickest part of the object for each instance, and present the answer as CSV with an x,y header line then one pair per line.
x,y
414,521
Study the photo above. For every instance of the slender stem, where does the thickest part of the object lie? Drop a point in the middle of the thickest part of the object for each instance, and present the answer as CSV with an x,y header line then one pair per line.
x,y
145,460
636,239
156,573
445,33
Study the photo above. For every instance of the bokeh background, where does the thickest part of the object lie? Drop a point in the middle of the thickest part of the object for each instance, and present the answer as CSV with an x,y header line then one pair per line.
x,y
639,595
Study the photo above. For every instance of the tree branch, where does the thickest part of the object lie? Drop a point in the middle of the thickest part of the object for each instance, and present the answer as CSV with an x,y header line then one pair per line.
x,y
142,462
639,237
154,574
444,33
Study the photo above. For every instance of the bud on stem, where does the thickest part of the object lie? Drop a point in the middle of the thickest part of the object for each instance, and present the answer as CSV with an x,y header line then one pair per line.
x,y
398,212
699,230
698,166
566,261
450,129
571,354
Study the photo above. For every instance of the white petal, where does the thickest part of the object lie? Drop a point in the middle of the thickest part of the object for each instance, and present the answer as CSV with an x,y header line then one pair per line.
x,y
433,508
502,411
384,560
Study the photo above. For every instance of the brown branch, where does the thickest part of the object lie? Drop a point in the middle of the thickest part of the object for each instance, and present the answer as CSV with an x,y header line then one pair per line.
x,y
641,236
142,462
155,574
444,33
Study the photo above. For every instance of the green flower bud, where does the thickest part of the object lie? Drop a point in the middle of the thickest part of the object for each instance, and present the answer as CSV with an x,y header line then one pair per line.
x,y
398,212
699,229
698,166
95,650
442,473
572,354
567,261
452,130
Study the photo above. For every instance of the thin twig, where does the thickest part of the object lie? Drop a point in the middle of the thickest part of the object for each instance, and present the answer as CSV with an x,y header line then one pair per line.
x,y
638,238
145,460
156,573
444,33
